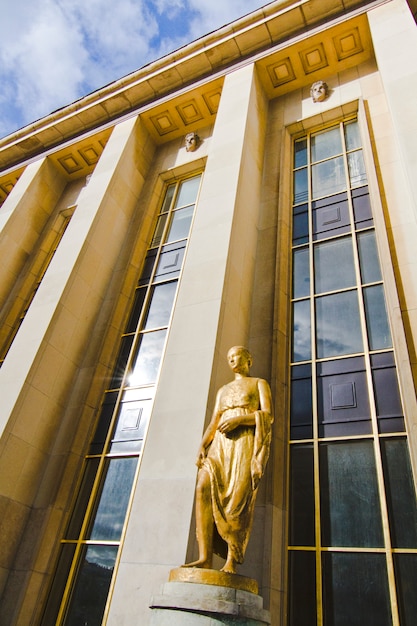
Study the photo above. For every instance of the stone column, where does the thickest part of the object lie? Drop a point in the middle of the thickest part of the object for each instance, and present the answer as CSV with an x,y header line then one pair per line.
x,y
211,315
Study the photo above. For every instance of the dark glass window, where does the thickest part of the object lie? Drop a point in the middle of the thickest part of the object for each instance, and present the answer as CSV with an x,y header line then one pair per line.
x,y
379,334
401,495
330,216
302,530
342,398
333,265
349,495
300,153
301,402
301,331
406,570
387,394
110,515
352,500
302,600
338,325
300,224
301,273
355,590
90,593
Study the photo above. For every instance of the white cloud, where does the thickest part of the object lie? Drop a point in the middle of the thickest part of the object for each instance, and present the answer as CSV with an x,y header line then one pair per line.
x,y
55,51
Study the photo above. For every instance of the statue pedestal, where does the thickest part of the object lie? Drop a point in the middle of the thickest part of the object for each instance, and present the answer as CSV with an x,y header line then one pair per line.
x,y
194,597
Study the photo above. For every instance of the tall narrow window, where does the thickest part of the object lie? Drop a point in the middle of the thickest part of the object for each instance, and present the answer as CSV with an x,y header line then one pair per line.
x,y
353,513
20,305
89,550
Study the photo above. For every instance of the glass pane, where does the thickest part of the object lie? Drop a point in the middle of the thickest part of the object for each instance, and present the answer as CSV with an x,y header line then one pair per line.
x,y
83,497
147,362
362,207
355,590
121,362
168,198
406,571
58,585
301,273
352,136
89,597
368,257
349,495
180,224
343,398
325,145
301,415
300,186
333,265
387,394
136,311
328,177
302,496
401,495
300,224
356,166
159,230
170,261
131,425
379,333
160,306
114,498
331,216
301,350
103,424
338,325
188,191
302,584
300,153
148,267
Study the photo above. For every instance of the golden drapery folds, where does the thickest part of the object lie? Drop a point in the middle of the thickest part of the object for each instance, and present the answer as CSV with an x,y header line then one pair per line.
x,y
231,461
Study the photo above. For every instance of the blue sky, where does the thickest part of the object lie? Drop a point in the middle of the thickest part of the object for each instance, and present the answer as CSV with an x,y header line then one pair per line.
x,y
53,52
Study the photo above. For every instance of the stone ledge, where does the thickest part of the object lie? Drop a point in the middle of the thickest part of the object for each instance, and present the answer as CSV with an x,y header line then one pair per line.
x,y
212,600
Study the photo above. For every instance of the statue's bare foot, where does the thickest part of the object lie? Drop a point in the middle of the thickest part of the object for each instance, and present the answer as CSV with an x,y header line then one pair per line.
x,y
202,563
229,567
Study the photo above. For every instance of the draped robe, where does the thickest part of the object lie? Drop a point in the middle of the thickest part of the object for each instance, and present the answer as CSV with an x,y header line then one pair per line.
x,y
235,462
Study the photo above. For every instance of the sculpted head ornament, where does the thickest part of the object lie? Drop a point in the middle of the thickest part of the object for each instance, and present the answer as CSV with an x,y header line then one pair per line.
x,y
319,91
192,141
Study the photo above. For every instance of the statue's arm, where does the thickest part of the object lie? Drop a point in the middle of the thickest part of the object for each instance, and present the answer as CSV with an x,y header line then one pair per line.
x,y
265,397
209,432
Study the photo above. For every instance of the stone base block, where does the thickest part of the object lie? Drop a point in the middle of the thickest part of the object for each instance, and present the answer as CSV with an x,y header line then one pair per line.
x,y
202,604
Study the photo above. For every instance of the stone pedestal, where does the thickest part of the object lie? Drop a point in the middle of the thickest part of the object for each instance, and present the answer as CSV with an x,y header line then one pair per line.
x,y
198,597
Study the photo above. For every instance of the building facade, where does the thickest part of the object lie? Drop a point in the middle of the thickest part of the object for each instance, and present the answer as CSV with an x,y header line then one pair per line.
x,y
257,187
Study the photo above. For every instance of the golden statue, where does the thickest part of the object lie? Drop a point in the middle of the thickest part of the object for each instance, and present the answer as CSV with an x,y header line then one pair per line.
x,y
231,461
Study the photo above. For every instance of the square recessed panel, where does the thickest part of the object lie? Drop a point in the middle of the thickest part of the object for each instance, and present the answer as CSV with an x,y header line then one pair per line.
x,y
212,100
313,59
89,154
7,186
281,72
189,112
164,123
70,164
347,44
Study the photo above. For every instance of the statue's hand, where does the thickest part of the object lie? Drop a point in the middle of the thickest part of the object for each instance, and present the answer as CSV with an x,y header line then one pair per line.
x,y
201,456
229,424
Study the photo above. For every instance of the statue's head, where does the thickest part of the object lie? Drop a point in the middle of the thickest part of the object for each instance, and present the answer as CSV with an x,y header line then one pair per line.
x,y
239,356
319,91
192,141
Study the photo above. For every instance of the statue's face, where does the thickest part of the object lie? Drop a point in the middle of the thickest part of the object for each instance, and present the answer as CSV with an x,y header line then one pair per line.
x,y
319,91
238,360
191,142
